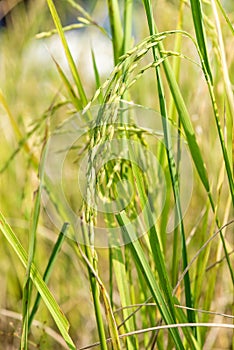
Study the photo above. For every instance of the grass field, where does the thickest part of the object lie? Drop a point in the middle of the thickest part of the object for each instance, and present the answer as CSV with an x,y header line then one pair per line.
x,y
116,175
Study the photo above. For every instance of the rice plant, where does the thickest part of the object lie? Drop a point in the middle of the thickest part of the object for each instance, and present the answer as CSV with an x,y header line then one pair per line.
x,y
117,175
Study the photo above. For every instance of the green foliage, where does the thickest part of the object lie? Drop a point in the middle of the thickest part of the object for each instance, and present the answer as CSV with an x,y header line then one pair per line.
x,y
141,287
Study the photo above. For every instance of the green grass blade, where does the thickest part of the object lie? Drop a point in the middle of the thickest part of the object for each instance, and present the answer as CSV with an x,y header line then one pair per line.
x,y
74,99
97,77
230,25
226,82
91,263
193,145
140,259
31,253
68,54
177,61
186,122
111,275
48,270
222,142
116,28
94,288
192,142
171,161
42,288
198,24
159,261
124,292
155,246
28,282
200,33
203,258
128,5
172,115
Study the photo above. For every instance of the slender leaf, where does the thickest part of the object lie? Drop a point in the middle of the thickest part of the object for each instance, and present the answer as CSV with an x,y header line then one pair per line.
x,y
116,28
200,33
67,51
140,259
48,270
42,288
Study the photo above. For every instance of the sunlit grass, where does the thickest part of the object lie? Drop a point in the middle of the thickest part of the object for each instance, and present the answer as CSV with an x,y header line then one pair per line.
x,y
119,294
